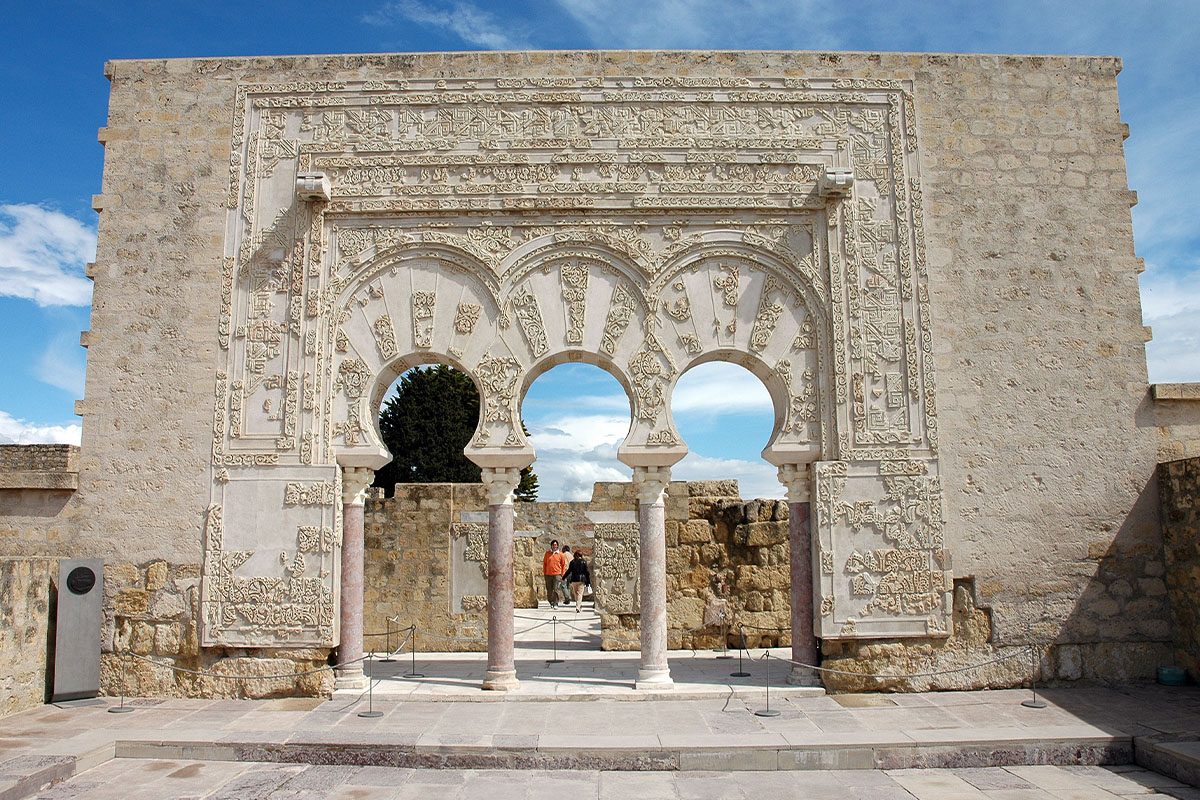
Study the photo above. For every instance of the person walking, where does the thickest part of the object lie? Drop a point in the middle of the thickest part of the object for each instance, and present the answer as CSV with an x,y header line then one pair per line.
x,y
563,588
553,567
579,577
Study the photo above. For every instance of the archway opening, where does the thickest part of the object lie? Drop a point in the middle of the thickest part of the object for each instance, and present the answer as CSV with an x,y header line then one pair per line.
x,y
577,415
725,415
728,560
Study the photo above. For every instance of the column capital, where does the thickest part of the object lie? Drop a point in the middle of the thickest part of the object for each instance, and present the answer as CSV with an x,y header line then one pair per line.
x,y
355,481
651,483
499,484
797,479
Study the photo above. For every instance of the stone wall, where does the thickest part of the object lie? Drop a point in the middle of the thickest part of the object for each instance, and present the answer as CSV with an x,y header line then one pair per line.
x,y
1179,488
1174,413
1046,440
25,631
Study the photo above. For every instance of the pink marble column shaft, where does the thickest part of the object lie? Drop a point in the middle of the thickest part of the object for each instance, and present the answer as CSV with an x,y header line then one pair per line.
x,y
653,672
350,646
502,668
804,643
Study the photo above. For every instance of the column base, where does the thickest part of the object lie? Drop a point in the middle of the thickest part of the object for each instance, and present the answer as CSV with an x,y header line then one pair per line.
x,y
350,679
501,680
803,676
654,680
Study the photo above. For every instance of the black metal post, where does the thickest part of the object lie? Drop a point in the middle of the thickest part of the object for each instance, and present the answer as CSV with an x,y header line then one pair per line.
x,y
412,673
741,673
370,713
122,709
767,712
387,658
554,639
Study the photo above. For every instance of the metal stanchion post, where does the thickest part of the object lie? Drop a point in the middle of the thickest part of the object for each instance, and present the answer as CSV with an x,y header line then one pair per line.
x,y
122,709
741,673
387,658
370,713
412,673
554,639
767,712
724,638
1033,661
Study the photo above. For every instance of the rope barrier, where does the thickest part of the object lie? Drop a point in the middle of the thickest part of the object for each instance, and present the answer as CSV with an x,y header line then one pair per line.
x,y
412,629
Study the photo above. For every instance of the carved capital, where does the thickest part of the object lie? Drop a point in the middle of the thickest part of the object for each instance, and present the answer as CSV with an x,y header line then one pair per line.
x,y
797,479
651,483
500,483
355,481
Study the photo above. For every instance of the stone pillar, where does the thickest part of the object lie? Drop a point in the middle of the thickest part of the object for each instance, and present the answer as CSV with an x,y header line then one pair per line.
x,y
355,481
798,480
500,482
651,485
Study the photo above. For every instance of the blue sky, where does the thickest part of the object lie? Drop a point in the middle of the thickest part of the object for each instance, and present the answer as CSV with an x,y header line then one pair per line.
x,y
56,97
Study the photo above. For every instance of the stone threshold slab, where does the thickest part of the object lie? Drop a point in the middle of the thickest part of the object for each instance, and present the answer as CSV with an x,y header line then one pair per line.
x,y
26,776
472,694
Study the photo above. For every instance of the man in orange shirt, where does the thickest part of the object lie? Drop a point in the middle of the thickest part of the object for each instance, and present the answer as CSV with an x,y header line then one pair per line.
x,y
553,568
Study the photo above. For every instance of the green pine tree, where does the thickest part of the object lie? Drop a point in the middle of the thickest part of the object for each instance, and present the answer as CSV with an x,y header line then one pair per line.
x,y
426,426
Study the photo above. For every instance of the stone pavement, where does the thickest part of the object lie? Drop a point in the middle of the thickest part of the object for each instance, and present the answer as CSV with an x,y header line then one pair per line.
x,y
583,719
585,673
143,779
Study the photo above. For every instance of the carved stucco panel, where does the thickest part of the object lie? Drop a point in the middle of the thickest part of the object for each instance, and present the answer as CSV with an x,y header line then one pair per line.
x,y
645,258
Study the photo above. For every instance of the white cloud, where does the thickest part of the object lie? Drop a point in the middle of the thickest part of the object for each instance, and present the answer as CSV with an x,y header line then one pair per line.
x,y
1171,306
19,431
720,388
700,23
62,365
469,23
42,255
755,478
573,452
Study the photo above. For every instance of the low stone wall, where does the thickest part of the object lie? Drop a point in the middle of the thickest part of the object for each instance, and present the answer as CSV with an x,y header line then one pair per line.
x,y
1175,412
1179,493
151,613
723,553
25,631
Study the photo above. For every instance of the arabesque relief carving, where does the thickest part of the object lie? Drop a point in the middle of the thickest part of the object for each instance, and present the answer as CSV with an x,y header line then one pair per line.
x,y
692,213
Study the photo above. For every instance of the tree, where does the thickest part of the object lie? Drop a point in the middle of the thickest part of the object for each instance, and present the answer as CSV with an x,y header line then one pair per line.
x,y
527,487
427,424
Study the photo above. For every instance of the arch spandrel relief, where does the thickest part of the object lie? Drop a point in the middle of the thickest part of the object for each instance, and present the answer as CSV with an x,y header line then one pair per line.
x,y
504,225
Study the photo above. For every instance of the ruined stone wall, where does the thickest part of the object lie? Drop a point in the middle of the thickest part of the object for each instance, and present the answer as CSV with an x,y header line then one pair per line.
x,y
1174,413
25,631
1179,487
412,568
724,555
1046,451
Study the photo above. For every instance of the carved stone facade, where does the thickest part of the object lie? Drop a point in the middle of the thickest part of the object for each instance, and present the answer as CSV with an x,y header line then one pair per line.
x,y
835,222
490,223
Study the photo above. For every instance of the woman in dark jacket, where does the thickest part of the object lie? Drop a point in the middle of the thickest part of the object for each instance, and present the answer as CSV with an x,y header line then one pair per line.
x,y
578,576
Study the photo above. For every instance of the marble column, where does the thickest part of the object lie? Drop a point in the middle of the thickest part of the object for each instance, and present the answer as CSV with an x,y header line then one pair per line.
x,y
798,480
499,484
651,486
355,481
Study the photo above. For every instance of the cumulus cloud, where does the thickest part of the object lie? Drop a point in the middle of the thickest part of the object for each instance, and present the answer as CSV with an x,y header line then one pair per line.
x,y
42,255
62,365
18,431
700,23
720,388
755,478
1171,306
575,451
464,20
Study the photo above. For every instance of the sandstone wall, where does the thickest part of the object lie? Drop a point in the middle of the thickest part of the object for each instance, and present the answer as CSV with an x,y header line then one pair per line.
x,y
1048,447
1179,483
1174,413
25,631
